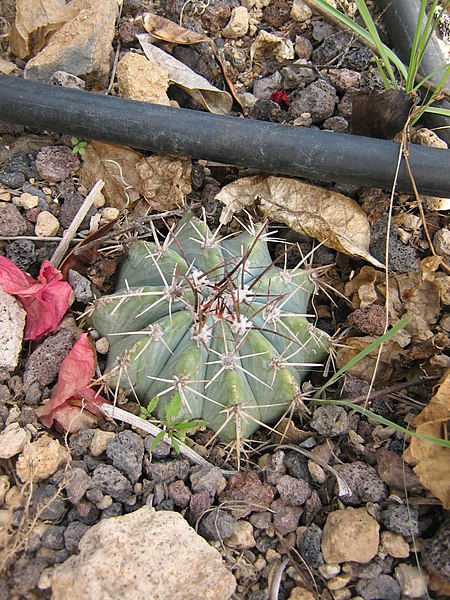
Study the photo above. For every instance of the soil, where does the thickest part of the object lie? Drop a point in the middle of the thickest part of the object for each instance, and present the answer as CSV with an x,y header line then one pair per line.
x,y
112,469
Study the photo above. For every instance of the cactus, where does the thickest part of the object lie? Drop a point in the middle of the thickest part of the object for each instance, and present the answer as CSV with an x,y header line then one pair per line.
x,y
214,320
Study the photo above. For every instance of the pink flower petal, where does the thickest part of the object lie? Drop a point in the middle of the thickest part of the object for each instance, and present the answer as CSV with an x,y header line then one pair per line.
x,y
74,405
46,300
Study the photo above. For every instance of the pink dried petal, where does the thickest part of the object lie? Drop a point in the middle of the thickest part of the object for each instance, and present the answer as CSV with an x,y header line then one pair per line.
x,y
46,300
74,405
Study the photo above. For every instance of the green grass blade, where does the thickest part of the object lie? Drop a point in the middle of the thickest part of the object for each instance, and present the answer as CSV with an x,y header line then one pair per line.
x,y
373,346
382,421
373,32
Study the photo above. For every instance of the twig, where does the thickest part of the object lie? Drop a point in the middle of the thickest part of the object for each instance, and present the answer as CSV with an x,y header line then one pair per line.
x,y
276,581
392,389
63,246
138,224
35,238
343,488
135,421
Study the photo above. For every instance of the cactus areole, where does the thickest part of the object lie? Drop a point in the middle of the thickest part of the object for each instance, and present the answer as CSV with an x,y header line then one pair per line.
x,y
214,320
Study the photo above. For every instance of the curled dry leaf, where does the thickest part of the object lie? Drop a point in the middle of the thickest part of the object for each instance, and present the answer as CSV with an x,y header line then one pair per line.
x,y
208,96
74,405
165,181
46,300
167,30
332,218
116,165
35,21
432,462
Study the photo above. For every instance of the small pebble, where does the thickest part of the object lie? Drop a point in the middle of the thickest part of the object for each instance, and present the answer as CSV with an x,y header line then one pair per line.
x,y
329,570
242,536
109,213
13,440
330,420
394,544
100,440
27,201
339,582
102,345
412,582
46,225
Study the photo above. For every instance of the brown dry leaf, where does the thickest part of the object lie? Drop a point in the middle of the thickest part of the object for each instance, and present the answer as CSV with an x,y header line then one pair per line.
x,y
361,290
214,100
165,181
332,218
432,462
390,354
35,21
164,29
168,31
116,165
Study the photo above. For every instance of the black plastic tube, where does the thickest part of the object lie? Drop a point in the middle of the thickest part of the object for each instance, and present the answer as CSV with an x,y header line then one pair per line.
x,y
267,147
400,18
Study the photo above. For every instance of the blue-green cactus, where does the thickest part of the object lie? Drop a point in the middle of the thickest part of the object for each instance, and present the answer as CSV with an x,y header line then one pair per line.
x,y
214,320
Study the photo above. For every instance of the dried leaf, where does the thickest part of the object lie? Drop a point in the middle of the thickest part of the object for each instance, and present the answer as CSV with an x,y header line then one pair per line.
x,y
168,31
116,165
80,258
35,21
46,300
74,405
432,462
165,181
332,218
208,96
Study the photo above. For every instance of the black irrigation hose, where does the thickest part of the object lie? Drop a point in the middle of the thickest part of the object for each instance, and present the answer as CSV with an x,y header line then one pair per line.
x,y
400,18
267,147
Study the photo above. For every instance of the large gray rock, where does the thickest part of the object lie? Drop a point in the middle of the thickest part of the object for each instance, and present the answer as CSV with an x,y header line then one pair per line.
x,y
144,554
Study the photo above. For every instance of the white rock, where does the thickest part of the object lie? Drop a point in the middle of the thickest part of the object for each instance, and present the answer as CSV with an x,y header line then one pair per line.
x,y
47,225
100,441
394,544
13,440
237,26
350,535
242,537
441,242
144,554
12,319
412,581
109,213
300,11
28,201
102,345
41,459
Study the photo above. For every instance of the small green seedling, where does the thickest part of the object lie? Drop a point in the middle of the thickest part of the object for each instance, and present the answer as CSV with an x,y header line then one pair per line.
x,y
173,427
78,146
